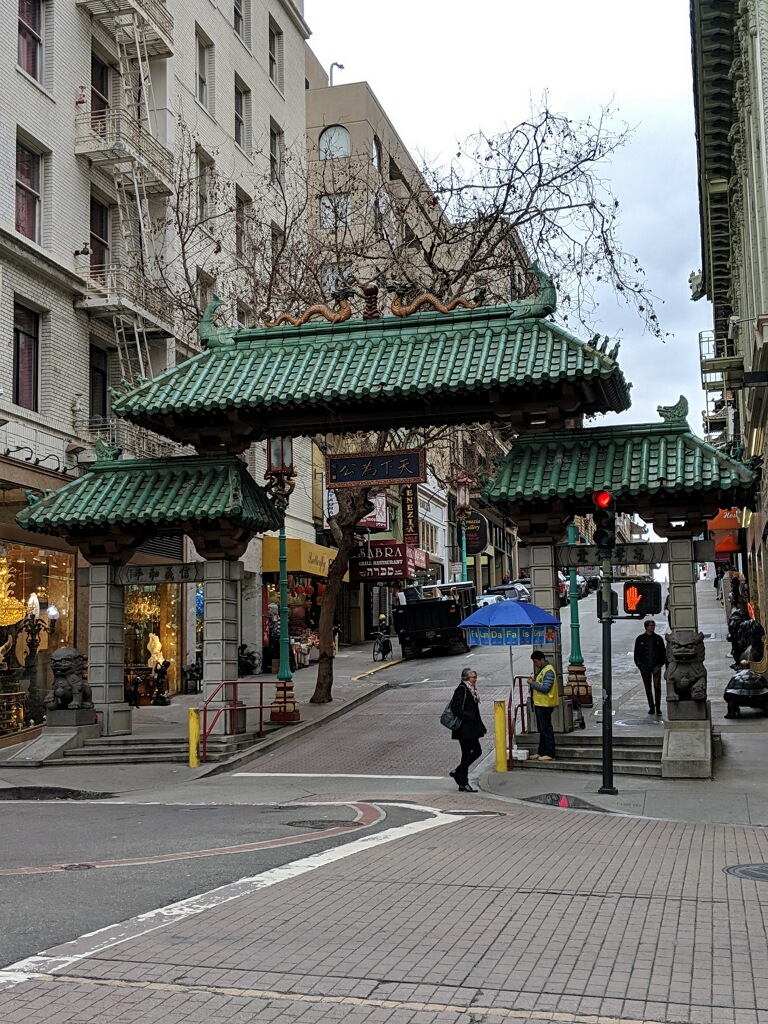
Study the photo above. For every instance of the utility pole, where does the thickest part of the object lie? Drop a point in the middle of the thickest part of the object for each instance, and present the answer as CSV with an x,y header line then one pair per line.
x,y
605,538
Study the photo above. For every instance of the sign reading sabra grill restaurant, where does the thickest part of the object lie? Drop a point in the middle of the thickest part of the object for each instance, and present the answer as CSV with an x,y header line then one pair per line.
x,y
376,468
387,560
476,527
409,503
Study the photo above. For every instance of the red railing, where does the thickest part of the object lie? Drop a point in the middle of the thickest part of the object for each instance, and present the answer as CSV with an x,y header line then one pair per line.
x,y
232,709
513,710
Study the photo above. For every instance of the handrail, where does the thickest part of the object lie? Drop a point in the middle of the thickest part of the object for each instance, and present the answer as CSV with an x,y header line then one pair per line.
x,y
512,713
232,708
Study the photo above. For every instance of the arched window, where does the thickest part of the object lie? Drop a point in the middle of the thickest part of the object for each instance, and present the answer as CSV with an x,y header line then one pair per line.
x,y
334,142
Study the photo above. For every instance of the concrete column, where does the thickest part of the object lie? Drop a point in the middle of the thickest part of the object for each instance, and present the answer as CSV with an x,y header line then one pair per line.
x,y
106,650
545,594
682,584
220,633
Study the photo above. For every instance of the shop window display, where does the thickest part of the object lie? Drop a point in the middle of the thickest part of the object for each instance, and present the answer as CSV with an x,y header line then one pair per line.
x,y
305,596
152,618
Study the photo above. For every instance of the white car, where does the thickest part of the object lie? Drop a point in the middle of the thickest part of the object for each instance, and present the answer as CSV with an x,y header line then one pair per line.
x,y
486,599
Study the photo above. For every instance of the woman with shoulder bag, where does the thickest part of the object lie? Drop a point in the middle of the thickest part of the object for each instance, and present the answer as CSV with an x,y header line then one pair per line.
x,y
465,703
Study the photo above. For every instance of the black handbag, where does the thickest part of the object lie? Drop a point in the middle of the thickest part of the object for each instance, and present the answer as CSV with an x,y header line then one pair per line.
x,y
448,718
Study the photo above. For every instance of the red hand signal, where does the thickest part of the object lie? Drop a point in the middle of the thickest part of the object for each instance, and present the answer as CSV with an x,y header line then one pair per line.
x,y
632,598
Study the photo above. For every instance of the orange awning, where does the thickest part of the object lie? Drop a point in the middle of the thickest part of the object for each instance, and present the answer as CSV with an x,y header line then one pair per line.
x,y
727,544
726,519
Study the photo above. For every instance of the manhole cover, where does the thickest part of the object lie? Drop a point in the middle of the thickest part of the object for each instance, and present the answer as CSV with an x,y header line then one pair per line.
x,y
478,814
565,800
752,872
323,823
77,867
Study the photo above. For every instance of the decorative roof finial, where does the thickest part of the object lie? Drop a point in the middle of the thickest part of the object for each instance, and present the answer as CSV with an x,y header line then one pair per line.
x,y
675,414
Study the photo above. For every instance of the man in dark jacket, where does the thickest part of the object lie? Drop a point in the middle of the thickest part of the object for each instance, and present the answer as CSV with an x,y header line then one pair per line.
x,y
650,656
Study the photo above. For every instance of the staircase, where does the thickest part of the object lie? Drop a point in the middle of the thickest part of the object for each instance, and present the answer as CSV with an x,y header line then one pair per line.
x,y
163,750
578,752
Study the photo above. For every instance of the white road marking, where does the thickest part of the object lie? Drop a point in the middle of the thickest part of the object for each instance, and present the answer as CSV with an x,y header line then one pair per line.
x,y
66,956
327,775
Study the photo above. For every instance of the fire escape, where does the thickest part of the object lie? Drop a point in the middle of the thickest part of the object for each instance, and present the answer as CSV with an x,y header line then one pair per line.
x,y
121,139
722,375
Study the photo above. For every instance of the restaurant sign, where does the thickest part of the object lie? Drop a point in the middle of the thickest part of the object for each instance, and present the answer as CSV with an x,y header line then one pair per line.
x,y
409,503
372,468
476,528
386,560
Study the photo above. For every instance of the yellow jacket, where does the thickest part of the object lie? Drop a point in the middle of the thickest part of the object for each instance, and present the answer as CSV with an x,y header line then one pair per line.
x,y
545,693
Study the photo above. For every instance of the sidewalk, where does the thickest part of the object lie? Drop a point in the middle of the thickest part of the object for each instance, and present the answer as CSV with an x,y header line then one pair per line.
x,y
738,793
355,681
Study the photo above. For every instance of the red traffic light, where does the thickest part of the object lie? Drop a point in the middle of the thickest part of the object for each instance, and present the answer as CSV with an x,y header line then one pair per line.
x,y
603,499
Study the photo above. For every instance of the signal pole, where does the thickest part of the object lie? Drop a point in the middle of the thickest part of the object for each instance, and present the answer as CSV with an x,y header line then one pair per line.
x,y
605,538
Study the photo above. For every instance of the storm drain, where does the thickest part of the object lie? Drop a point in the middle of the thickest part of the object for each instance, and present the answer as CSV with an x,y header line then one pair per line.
x,y
50,793
77,867
565,800
750,872
319,823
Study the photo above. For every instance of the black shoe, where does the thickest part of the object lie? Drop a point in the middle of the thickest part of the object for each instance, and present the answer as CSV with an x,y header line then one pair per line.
x,y
452,774
651,711
658,712
467,789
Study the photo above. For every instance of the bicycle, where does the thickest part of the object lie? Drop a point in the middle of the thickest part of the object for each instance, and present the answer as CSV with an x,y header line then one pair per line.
x,y
382,646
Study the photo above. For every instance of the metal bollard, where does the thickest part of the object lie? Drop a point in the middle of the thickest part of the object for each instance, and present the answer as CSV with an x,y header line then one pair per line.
x,y
193,722
500,733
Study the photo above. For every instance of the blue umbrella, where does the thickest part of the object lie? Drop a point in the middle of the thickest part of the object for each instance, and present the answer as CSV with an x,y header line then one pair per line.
x,y
511,624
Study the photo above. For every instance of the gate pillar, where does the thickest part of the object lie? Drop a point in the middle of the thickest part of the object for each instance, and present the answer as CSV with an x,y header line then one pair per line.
x,y
106,650
221,636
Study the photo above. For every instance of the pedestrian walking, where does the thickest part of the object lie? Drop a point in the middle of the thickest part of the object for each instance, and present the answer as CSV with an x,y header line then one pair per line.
x,y
546,697
650,656
465,703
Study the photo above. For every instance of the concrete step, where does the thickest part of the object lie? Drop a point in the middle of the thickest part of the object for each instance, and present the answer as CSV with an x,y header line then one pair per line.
x,y
138,758
125,750
640,754
580,738
133,741
619,767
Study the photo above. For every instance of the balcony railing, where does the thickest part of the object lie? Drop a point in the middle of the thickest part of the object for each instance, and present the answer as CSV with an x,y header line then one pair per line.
x,y
153,16
112,288
722,364
137,442
114,136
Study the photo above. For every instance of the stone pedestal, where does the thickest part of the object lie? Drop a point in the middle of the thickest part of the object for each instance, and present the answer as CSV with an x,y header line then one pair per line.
x,y
220,638
106,650
687,752
63,718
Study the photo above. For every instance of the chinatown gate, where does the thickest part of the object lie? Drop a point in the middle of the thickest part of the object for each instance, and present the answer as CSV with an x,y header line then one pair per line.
x,y
507,364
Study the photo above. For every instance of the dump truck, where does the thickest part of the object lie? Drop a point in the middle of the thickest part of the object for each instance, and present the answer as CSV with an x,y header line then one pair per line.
x,y
427,618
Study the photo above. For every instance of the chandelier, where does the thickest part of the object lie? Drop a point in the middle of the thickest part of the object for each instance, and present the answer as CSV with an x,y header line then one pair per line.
x,y
141,605
12,610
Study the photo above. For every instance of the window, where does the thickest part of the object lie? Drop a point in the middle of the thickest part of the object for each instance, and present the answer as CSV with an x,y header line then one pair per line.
x,y
376,153
334,210
99,380
275,153
276,55
99,238
99,94
241,225
239,117
204,72
243,316
31,37
276,243
204,182
429,537
237,17
28,192
334,142
26,351
204,290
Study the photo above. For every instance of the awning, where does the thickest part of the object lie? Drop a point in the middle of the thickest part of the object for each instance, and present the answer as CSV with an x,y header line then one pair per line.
x,y
726,519
304,557
727,544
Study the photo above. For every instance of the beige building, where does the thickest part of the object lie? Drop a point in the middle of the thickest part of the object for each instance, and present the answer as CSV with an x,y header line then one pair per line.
x,y
730,65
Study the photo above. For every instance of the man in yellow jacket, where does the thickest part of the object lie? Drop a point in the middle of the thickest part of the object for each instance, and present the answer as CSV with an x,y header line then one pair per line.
x,y
545,699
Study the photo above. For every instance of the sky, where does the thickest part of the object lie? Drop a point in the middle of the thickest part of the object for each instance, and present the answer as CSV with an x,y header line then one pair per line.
x,y
443,70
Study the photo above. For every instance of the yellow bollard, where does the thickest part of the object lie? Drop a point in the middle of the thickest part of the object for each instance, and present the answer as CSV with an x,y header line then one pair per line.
x,y
193,720
500,733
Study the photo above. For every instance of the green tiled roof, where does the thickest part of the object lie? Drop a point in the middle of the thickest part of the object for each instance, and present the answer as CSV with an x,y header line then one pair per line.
x,y
370,370
655,460
164,494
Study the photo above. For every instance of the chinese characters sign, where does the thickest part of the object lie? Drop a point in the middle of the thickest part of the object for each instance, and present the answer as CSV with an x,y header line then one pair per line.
x,y
409,501
382,468
148,575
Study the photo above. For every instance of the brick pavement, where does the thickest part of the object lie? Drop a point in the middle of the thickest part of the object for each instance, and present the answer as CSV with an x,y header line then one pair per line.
x,y
468,922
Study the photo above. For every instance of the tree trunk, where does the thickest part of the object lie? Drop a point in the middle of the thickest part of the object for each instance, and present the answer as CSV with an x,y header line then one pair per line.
x,y
353,506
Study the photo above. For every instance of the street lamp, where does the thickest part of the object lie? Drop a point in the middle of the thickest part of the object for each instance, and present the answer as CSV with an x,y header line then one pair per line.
x,y
33,627
463,483
280,484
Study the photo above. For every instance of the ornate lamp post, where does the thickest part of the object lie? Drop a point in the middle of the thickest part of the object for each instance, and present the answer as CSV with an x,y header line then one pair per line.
x,y
280,484
463,483
33,626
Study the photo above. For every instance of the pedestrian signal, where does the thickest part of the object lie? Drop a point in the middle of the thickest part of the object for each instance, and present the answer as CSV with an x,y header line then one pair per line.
x,y
614,604
604,517
642,597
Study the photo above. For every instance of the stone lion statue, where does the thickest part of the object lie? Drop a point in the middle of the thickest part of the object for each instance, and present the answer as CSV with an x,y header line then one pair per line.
x,y
69,688
686,675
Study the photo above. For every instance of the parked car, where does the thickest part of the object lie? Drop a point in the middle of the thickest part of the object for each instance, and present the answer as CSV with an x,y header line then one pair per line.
x,y
486,599
563,587
582,586
517,591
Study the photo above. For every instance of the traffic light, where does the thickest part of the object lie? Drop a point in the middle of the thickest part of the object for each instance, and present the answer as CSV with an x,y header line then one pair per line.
x,y
642,597
614,604
605,520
